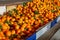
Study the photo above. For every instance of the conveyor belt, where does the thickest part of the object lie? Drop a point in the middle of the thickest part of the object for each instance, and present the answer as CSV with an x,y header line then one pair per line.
x,y
47,35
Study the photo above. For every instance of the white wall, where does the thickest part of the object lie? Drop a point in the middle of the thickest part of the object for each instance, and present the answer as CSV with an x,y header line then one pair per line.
x,y
2,9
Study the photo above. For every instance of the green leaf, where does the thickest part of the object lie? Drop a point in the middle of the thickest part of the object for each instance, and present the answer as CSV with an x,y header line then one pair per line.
x,y
21,14
40,16
16,11
42,21
0,26
58,7
10,13
36,12
13,36
8,22
26,28
24,3
52,11
34,17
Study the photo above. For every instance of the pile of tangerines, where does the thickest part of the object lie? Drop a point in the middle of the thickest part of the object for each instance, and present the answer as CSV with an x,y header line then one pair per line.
x,y
22,21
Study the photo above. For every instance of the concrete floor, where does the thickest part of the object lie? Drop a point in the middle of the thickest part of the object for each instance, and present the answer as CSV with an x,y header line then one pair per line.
x,y
56,35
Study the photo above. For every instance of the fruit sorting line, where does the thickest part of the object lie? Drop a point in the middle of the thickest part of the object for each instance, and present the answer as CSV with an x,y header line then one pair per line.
x,y
43,29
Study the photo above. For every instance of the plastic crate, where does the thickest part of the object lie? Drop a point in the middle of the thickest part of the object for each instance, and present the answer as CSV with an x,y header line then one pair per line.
x,y
32,37
39,33
36,35
43,30
53,22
